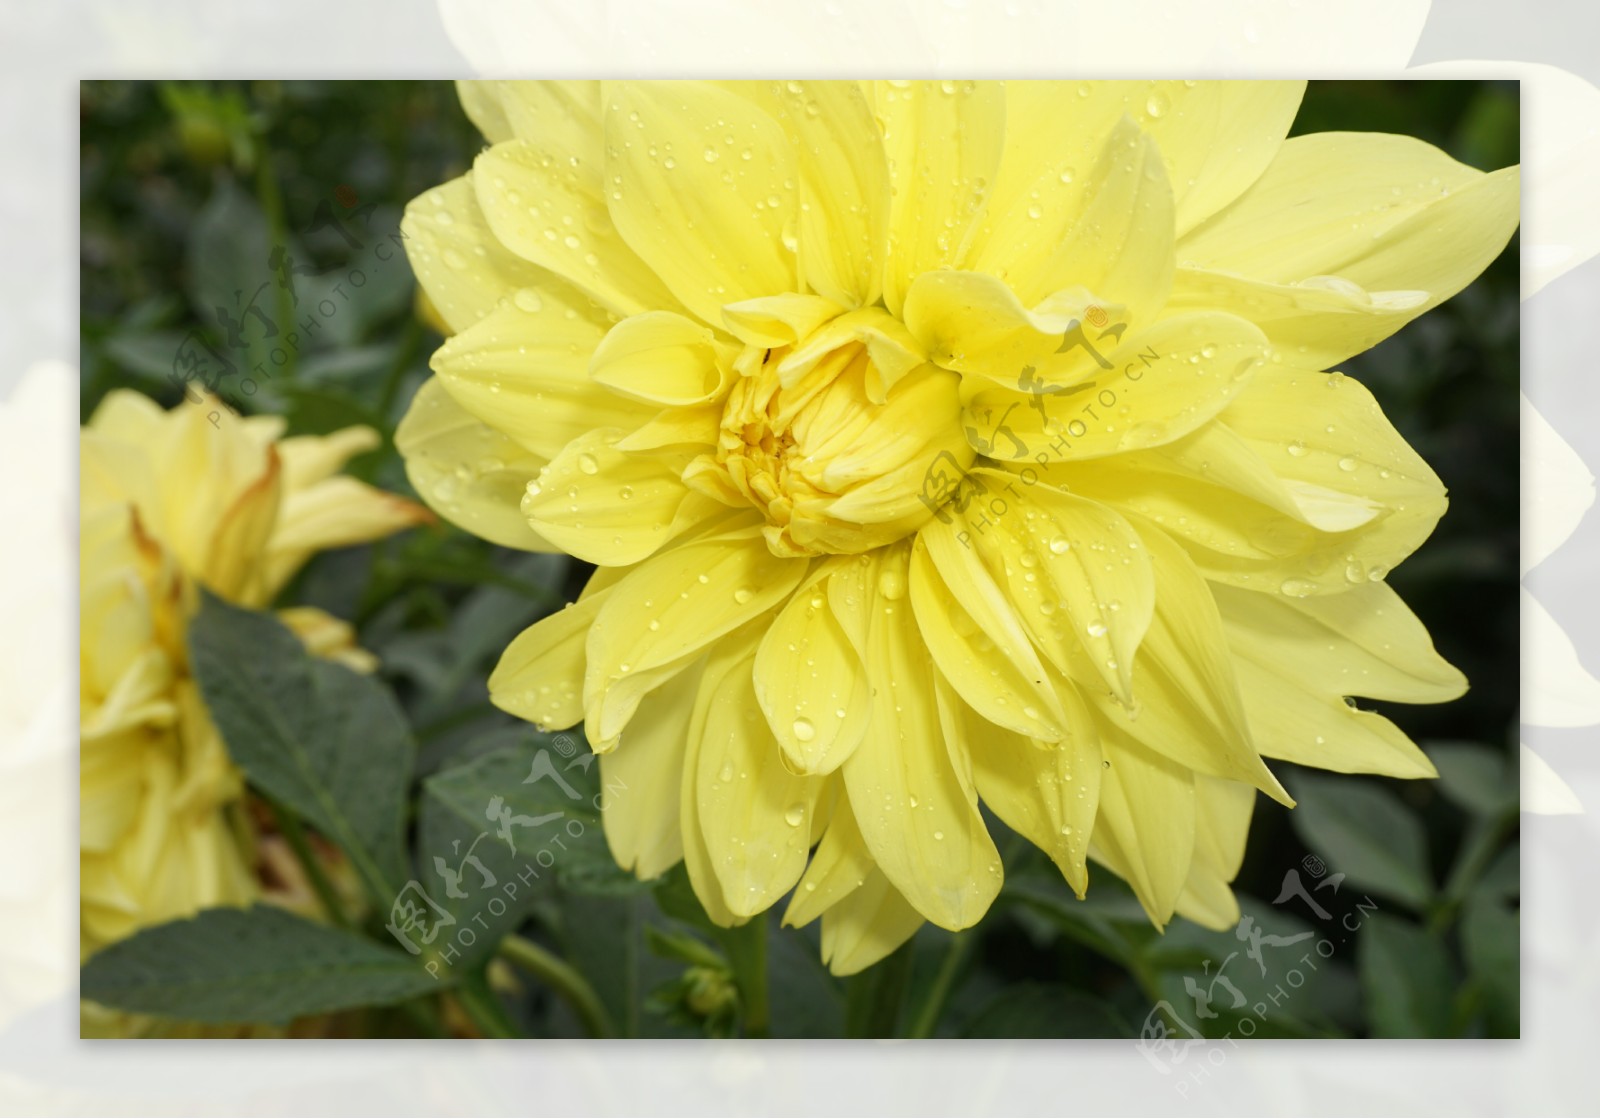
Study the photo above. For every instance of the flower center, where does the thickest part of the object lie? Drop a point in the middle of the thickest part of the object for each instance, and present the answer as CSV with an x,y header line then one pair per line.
x,y
838,461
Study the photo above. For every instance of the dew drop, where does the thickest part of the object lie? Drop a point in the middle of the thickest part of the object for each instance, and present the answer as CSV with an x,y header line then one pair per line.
x,y
588,463
891,585
803,730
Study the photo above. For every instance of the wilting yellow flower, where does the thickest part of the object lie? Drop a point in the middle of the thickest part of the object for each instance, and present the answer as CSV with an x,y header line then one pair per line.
x,y
171,501
943,443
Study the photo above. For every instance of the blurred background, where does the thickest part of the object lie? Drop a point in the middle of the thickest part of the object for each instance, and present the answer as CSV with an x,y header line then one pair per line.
x,y
1377,908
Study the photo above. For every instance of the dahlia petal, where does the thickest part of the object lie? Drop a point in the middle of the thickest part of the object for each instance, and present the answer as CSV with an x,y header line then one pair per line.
x,y
540,675
965,653
481,102
943,142
891,348
1049,796
698,592
810,682
921,821
778,320
562,117
694,427
1319,321
1351,449
1204,476
467,472
974,323
1145,830
545,212
1222,824
524,370
755,815
844,188
1111,233
1316,727
1217,138
1171,378
840,865
697,860
462,266
700,183
335,513
867,925
235,561
1388,213
1188,701
1363,641
610,507
661,358
1076,574
308,459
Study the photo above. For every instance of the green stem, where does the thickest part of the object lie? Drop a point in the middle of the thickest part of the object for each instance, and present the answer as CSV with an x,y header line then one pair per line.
x,y
872,1007
484,1009
294,832
421,1012
410,343
928,1017
561,977
750,969
1479,848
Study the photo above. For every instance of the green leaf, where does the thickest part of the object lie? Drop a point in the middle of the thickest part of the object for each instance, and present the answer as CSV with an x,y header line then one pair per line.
x,y
1366,832
1491,942
1475,777
806,1000
1406,978
1277,967
328,743
1046,1010
229,264
249,965
506,827
151,357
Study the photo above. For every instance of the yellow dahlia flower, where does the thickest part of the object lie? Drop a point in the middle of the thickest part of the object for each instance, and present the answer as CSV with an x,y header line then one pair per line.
x,y
942,444
170,501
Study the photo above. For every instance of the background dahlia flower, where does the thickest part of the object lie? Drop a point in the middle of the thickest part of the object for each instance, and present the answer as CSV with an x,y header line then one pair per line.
x,y
941,444
171,502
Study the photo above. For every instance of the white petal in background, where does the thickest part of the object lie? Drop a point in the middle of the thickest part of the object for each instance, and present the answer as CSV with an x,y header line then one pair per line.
x,y
38,898
959,38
